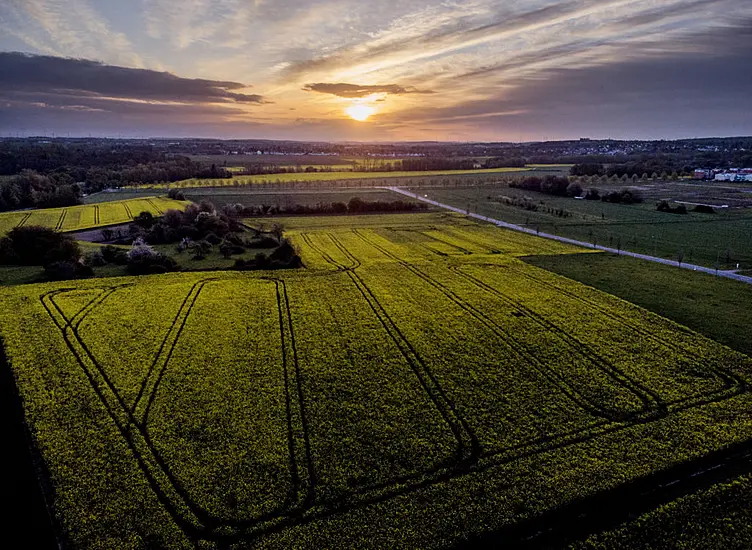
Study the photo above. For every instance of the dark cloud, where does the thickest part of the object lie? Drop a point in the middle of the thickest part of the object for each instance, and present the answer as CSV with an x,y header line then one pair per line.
x,y
23,73
355,91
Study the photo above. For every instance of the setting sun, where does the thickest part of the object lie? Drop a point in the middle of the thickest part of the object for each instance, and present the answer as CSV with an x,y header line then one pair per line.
x,y
360,112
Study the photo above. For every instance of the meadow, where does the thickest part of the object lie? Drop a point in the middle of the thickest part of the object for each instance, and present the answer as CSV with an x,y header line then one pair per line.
x,y
723,238
415,368
77,218
222,196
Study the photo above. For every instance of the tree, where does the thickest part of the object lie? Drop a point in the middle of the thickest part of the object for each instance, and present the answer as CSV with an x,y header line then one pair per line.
x,y
32,245
574,190
278,230
144,220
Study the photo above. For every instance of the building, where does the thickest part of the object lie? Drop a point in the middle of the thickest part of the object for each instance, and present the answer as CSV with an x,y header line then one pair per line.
x,y
733,176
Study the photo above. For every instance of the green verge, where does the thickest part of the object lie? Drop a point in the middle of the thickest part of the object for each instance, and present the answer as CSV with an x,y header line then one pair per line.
x,y
714,306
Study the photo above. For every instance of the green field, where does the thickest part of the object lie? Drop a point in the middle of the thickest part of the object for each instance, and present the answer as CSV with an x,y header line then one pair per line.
x,y
220,197
77,218
704,239
415,367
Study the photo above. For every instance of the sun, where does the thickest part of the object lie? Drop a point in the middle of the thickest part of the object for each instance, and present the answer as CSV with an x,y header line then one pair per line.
x,y
360,112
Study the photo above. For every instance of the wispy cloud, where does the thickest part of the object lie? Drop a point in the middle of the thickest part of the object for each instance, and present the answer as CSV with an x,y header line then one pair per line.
x,y
70,27
488,61
355,91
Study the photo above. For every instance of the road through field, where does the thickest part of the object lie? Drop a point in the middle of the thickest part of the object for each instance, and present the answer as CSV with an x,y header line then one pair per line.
x,y
507,225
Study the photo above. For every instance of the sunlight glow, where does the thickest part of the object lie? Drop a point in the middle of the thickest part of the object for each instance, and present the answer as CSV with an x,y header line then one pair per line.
x,y
360,112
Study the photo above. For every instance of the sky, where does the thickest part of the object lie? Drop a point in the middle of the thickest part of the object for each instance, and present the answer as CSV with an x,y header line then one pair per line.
x,y
377,70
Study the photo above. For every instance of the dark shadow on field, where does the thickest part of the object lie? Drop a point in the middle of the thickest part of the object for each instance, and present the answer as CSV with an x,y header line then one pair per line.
x,y
609,509
25,515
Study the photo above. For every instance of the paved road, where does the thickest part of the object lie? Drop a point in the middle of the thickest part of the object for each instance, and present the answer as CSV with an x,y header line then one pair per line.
x,y
499,223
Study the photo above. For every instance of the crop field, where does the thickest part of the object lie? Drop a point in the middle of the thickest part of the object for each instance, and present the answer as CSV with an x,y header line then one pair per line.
x,y
415,385
327,177
76,218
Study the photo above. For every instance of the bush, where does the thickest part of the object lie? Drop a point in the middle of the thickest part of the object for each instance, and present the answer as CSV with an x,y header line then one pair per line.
x,y
623,196
704,209
574,190
664,206
176,194
64,270
213,239
151,265
144,260
114,255
31,245
201,249
144,220
593,194
262,242
95,259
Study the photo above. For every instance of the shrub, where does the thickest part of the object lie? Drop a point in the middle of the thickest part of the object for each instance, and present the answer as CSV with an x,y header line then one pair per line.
x,y
176,194
31,245
704,209
144,220
664,206
201,249
63,270
149,265
592,194
140,250
95,259
574,190
144,260
114,255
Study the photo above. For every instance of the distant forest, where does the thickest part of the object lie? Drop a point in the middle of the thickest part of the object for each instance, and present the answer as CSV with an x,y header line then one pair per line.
x,y
47,175
43,172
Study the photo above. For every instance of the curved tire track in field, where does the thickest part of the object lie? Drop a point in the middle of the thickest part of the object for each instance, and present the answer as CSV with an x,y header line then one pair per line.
x,y
734,385
467,444
252,529
207,524
658,407
303,490
555,378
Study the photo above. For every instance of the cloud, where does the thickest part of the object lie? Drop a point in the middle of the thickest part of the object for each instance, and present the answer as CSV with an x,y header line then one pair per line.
x,y
681,93
86,79
352,91
72,27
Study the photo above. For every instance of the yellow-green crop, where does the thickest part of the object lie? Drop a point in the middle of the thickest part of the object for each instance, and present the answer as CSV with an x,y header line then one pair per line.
x,y
414,385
